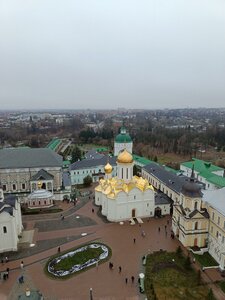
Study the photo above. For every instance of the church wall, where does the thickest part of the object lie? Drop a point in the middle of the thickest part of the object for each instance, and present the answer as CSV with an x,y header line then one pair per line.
x,y
121,146
9,239
121,208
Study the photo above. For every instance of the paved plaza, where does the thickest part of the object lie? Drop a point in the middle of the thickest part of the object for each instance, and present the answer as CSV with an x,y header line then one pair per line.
x,y
106,284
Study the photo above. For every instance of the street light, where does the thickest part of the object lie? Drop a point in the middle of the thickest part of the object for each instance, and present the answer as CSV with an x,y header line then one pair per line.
x,y
91,296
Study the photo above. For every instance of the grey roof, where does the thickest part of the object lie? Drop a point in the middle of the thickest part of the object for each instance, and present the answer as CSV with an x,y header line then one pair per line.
x,y
42,175
93,154
29,158
10,200
203,213
91,163
8,209
8,204
161,198
216,199
171,180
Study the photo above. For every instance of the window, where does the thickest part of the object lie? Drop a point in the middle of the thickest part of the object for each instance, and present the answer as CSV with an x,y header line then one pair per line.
x,y
127,173
196,225
134,197
77,172
4,187
4,229
224,225
223,239
23,186
211,229
39,202
213,215
45,202
218,221
147,204
196,205
122,173
33,203
14,186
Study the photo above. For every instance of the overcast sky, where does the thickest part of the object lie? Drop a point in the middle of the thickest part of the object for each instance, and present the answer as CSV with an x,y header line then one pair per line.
x,y
112,53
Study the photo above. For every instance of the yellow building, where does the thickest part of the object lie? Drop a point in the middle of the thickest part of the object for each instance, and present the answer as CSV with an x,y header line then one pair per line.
x,y
190,220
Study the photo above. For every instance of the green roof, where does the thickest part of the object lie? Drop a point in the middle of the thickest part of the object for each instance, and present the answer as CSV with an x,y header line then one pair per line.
x,y
66,162
205,170
217,180
142,160
123,138
53,144
201,165
101,149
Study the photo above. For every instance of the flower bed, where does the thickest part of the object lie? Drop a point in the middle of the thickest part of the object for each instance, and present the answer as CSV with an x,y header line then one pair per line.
x,y
78,259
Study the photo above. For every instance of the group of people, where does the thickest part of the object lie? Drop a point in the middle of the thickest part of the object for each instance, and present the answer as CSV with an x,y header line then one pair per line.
x,y
120,270
5,275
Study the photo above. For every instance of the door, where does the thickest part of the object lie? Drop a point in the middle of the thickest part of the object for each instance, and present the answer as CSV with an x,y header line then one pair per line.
x,y
133,213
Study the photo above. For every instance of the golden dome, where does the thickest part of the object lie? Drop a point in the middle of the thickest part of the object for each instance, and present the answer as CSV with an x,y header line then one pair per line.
x,y
39,184
125,157
108,168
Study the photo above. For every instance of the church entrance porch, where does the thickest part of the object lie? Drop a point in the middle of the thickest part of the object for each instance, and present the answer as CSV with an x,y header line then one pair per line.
x,y
158,212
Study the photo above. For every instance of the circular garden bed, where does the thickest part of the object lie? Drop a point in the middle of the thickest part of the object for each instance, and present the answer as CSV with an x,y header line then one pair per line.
x,y
77,260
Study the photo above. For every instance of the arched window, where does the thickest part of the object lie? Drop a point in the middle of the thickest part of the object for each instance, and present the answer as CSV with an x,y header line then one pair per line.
x,y
196,225
122,173
196,205
4,229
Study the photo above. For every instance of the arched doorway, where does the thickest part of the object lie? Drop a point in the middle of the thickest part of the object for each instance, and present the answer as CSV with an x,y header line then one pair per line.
x,y
158,212
133,213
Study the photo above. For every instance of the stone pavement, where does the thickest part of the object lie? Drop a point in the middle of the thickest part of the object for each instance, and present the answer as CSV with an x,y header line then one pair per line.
x,y
106,284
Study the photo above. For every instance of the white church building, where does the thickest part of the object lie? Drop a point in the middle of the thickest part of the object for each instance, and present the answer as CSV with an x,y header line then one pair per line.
x,y
10,222
126,196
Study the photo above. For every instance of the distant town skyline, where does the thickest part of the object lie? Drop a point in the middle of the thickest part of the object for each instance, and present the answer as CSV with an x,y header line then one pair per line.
x,y
105,55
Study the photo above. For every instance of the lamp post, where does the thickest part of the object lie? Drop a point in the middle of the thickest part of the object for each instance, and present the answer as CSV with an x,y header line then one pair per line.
x,y
91,296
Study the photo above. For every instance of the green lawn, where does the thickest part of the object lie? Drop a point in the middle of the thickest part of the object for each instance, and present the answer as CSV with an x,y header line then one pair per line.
x,y
167,277
206,260
222,285
78,258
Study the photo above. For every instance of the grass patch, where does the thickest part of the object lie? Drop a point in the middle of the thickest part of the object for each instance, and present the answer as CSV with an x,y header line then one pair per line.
x,y
79,258
37,211
206,260
66,264
168,277
222,285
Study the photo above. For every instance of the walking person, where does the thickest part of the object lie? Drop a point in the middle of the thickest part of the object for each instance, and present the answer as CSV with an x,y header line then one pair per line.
x,y
6,259
126,280
159,229
21,265
120,269
132,279
59,249
134,240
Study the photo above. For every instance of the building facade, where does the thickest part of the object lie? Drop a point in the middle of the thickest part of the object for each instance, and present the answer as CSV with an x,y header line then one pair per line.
x,y
22,168
10,223
92,167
